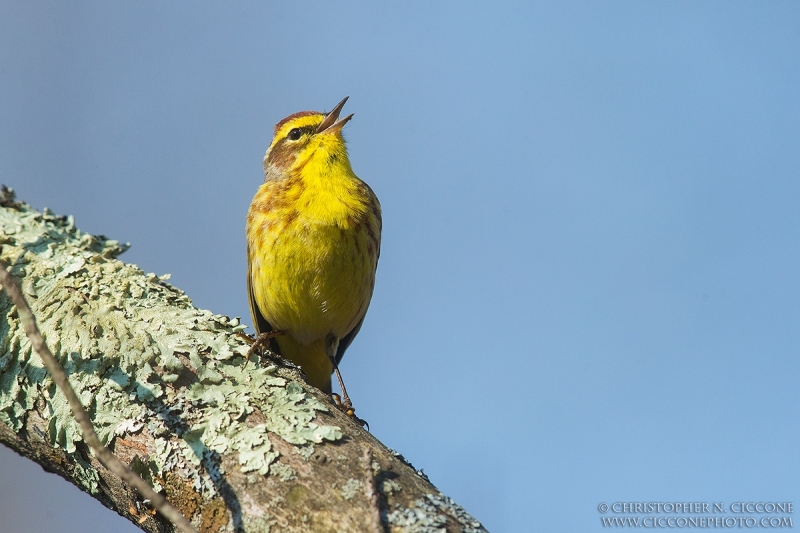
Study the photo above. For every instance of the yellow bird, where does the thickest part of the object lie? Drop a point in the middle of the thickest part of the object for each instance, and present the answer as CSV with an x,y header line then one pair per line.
x,y
313,241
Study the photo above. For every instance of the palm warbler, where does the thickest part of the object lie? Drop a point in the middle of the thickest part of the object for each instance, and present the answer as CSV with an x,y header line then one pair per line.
x,y
313,241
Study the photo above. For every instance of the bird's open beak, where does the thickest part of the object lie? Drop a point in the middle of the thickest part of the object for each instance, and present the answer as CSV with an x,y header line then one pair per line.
x,y
330,124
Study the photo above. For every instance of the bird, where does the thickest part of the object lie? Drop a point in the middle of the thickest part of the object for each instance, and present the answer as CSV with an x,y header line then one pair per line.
x,y
313,243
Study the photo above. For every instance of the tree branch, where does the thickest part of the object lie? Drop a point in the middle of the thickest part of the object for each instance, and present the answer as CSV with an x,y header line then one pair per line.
x,y
232,447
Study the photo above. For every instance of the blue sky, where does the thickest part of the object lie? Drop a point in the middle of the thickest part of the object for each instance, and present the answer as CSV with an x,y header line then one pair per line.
x,y
589,286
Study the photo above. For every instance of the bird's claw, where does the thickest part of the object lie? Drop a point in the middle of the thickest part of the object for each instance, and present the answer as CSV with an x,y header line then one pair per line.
x,y
346,406
259,343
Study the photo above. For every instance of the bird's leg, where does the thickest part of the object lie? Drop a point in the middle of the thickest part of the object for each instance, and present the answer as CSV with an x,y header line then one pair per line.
x,y
344,404
259,343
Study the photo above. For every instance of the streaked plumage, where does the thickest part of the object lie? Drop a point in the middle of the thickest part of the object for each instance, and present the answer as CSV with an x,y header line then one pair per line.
x,y
313,239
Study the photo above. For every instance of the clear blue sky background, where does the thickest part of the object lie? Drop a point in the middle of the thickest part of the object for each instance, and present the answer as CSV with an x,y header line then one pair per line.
x,y
589,287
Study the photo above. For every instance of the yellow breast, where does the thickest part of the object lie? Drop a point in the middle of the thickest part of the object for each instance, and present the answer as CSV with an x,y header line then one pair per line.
x,y
313,250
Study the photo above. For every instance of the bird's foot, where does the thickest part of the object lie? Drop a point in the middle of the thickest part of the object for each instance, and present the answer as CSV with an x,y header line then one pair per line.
x,y
346,406
260,344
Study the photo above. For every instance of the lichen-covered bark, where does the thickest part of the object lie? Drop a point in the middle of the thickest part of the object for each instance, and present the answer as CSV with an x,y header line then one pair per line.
x,y
234,446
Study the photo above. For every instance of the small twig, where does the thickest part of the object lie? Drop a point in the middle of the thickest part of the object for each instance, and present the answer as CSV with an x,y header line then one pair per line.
x,y
372,493
81,416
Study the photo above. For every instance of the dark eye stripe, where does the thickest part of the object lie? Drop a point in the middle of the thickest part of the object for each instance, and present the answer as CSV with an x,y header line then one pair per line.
x,y
296,133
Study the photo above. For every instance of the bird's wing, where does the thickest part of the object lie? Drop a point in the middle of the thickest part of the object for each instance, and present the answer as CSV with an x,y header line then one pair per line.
x,y
345,341
260,323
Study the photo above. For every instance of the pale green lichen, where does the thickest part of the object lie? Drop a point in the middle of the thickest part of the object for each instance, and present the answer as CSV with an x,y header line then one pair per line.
x,y
390,486
417,520
351,488
305,451
86,475
283,471
126,339
430,515
262,524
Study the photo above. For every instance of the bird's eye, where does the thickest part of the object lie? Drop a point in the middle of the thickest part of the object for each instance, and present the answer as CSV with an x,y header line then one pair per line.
x,y
295,134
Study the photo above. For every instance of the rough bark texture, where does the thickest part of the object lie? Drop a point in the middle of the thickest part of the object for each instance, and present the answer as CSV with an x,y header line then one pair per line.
x,y
234,446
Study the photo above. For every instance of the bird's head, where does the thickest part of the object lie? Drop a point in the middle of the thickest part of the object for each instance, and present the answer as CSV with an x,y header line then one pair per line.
x,y
307,137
